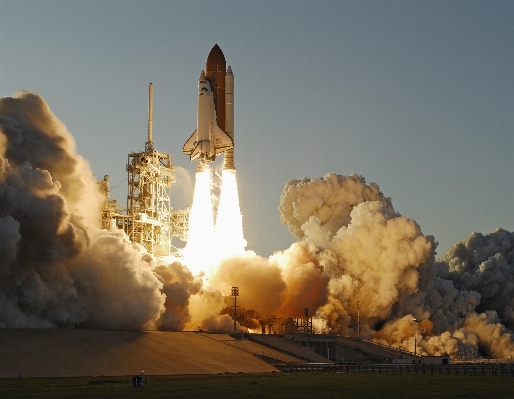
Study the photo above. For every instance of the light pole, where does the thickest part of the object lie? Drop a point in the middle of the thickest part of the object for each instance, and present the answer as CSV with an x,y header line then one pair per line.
x,y
415,335
235,294
358,320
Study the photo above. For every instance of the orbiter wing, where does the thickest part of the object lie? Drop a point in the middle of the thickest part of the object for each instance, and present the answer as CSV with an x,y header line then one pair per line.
x,y
222,141
190,144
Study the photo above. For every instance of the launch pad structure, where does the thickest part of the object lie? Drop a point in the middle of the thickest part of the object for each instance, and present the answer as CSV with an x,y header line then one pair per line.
x,y
148,219
150,176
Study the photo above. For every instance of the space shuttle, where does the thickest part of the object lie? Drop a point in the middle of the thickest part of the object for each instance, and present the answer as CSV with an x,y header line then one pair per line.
x,y
209,139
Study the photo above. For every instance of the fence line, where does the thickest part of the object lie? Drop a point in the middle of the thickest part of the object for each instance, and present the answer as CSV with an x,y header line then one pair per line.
x,y
502,370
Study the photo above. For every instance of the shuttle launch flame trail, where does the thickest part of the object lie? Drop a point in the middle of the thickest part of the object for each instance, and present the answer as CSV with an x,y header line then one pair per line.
x,y
353,248
199,251
229,236
207,244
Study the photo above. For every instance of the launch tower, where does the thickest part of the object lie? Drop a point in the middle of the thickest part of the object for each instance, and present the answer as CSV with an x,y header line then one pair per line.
x,y
150,176
149,219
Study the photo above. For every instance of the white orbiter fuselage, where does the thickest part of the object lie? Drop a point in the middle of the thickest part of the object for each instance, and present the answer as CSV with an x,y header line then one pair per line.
x,y
209,139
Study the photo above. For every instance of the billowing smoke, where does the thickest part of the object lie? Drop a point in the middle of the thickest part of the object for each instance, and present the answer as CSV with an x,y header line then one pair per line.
x,y
58,269
485,264
178,286
378,254
282,286
206,309
330,200
462,304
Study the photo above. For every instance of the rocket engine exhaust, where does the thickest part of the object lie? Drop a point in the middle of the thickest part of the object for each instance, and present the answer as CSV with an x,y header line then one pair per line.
x,y
356,257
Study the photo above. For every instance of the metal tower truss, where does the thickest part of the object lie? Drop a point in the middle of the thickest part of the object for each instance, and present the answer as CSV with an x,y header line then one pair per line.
x,y
179,223
150,176
109,215
148,219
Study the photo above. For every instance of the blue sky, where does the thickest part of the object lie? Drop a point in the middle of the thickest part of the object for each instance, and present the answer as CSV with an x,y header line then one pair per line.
x,y
417,96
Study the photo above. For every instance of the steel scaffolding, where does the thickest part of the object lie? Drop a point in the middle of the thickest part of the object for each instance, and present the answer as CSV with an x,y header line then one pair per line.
x,y
148,219
150,176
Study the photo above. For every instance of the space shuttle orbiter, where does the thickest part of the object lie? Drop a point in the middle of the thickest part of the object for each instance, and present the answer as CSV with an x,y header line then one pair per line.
x,y
209,139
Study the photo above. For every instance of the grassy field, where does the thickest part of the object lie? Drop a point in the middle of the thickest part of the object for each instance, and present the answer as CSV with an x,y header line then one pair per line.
x,y
276,385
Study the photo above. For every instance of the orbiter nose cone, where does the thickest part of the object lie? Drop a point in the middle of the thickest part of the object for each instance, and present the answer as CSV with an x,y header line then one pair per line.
x,y
202,75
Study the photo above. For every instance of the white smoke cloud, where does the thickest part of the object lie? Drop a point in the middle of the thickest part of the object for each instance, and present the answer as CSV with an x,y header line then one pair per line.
x,y
380,252
178,286
329,199
181,193
486,264
494,339
382,260
205,309
58,269
283,285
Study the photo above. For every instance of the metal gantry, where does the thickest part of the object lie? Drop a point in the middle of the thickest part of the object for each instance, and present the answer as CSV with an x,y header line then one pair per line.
x,y
150,176
148,219
179,223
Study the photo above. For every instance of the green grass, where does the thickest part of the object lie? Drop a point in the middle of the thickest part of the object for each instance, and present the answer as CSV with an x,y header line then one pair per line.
x,y
276,385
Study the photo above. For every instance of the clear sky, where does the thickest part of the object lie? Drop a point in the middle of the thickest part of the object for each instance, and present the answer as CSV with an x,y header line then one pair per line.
x,y
416,96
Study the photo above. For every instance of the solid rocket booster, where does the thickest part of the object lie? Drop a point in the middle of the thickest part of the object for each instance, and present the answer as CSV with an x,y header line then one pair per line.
x,y
209,139
221,85
228,162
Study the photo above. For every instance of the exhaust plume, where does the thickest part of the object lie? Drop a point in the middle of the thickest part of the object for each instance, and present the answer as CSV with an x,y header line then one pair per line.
x,y
382,259
199,251
485,264
59,270
229,237
329,199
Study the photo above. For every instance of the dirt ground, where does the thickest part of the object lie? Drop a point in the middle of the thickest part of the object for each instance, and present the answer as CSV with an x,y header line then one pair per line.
x,y
73,353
